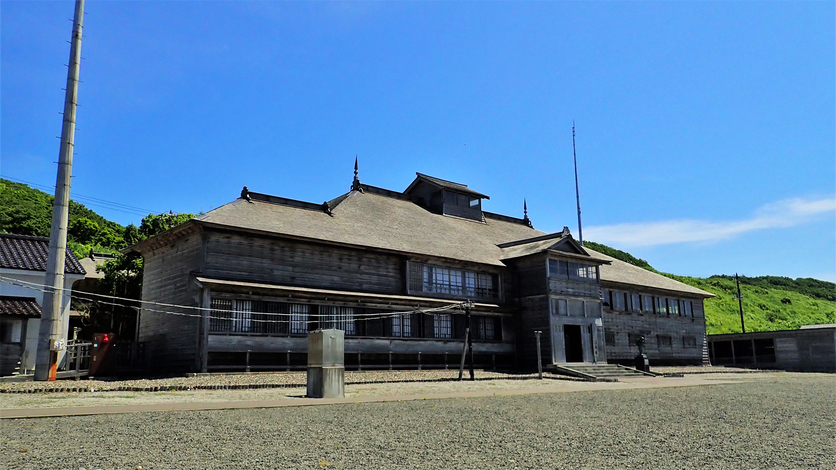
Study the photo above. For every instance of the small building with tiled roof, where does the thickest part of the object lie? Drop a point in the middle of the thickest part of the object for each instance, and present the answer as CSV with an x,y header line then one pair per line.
x,y
241,286
23,261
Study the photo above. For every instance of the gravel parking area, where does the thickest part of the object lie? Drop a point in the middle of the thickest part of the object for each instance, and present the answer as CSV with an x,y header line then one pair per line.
x,y
773,421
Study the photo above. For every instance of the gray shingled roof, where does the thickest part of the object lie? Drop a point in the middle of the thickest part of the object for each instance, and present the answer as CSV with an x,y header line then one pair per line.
x,y
19,306
462,188
31,253
625,273
373,220
378,221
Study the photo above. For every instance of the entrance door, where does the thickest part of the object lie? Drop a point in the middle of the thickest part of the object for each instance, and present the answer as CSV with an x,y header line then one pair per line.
x,y
573,342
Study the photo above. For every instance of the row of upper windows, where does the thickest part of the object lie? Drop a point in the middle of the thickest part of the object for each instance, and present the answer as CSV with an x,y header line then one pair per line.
x,y
453,281
280,318
642,303
559,269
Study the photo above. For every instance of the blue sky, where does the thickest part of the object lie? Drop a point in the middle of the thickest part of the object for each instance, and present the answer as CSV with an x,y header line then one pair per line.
x,y
705,130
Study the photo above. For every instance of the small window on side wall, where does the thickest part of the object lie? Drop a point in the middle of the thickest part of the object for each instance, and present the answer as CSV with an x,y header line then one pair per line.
x,y
11,331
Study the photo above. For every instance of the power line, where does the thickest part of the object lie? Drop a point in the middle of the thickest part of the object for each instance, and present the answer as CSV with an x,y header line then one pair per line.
x,y
353,316
117,206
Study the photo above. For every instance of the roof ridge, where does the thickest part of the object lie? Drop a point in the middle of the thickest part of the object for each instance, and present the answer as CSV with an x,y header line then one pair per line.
x,y
24,237
525,241
439,179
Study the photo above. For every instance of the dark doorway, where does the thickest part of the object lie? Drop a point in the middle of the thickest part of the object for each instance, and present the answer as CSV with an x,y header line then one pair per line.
x,y
573,342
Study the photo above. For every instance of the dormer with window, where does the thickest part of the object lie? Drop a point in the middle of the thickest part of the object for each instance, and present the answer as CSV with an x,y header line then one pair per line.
x,y
446,197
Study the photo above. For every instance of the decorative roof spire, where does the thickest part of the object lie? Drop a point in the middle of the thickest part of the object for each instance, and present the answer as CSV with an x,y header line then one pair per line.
x,y
355,185
525,214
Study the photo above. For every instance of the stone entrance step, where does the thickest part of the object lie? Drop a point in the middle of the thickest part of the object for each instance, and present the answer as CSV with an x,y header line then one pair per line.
x,y
598,371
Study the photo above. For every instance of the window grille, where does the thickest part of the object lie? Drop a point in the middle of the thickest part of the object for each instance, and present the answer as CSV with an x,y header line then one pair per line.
x,y
341,318
443,326
664,341
609,338
298,319
689,342
221,316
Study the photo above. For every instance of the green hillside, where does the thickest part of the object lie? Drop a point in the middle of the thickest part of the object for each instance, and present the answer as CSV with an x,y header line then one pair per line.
x,y
769,302
28,211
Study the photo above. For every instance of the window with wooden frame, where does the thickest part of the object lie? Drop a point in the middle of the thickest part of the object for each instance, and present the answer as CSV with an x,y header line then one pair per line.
x,y
634,302
689,342
609,338
442,326
618,301
647,304
686,309
560,269
340,318
453,281
664,341
673,307
661,307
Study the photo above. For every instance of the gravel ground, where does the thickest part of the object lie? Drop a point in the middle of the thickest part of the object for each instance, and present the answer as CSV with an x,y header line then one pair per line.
x,y
249,381
774,421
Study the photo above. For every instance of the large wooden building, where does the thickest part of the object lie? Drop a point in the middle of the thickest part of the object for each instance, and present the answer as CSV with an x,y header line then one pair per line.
x,y
391,269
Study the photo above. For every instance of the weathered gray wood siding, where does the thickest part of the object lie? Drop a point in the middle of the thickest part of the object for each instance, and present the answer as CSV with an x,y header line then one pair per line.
x,y
172,339
294,263
532,297
622,324
806,350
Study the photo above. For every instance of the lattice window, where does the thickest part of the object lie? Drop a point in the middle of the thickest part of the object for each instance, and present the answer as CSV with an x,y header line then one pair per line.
x,y
341,318
443,325
298,319
221,316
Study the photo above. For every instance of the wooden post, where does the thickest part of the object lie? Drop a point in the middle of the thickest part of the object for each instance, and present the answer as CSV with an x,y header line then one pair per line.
x,y
740,303
467,306
464,352
539,355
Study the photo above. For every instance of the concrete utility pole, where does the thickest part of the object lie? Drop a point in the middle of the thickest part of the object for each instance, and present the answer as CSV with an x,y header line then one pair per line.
x,y
50,333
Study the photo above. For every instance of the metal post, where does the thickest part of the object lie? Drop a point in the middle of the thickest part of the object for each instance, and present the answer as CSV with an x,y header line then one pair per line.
x,y
740,303
577,190
50,331
539,355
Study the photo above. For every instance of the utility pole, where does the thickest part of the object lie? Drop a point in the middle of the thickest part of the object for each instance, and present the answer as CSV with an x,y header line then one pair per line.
x,y
577,191
50,332
740,303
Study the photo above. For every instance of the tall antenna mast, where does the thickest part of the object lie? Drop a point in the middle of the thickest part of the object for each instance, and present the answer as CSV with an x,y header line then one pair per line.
x,y
51,332
577,191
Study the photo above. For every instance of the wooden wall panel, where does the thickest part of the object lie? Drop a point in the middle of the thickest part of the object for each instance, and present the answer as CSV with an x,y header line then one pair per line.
x,y
287,262
172,339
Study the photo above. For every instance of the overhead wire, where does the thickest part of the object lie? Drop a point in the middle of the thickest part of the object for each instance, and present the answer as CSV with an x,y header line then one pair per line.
x,y
293,317
90,200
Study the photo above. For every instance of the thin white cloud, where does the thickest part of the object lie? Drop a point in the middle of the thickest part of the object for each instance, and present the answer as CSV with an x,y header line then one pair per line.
x,y
781,214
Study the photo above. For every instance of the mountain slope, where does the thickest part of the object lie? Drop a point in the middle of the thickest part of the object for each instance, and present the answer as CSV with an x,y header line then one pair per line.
x,y
769,302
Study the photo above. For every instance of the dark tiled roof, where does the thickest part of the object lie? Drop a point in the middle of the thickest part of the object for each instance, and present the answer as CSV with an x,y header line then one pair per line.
x,y
31,253
19,306
458,187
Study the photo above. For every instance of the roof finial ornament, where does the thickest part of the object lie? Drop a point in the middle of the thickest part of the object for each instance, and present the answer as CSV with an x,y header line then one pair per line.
x,y
245,194
355,186
565,232
525,214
